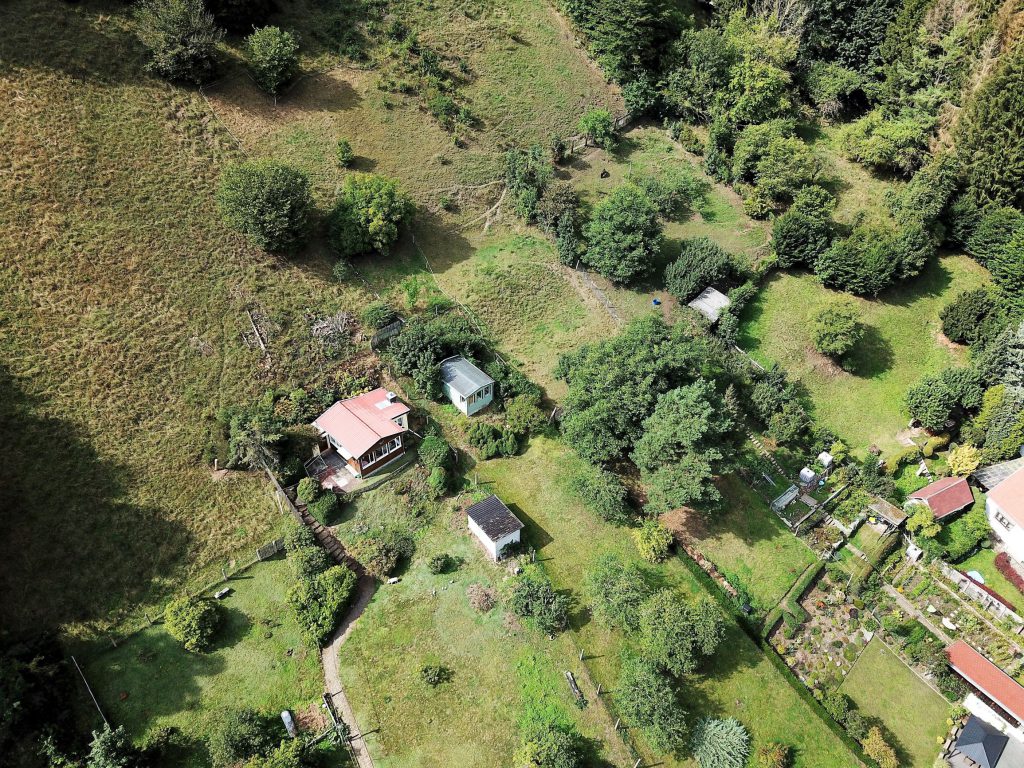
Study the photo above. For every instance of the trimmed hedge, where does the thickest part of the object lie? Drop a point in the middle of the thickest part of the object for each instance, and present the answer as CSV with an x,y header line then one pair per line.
x,y
753,633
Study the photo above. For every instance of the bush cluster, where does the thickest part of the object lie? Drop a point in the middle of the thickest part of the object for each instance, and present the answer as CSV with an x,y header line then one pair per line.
x,y
192,621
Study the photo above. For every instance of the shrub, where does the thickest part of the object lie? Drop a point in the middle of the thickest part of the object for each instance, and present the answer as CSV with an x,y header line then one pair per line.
x,y
239,735
963,460
435,452
596,126
676,635
995,227
344,152
109,748
481,598
273,57
181,38
268,202
380,554
968,318
307,490
548,745
558,208
318,601
805,231
491,441
437,481
862,263
1005,567
307,562
287,754
602,492
192,621
523,416
720,743
935,399
879,750
646,697
527,173
702,262
378,314
624,236
441,563
434,675
298,536
559,149
836,328
772,754
323,507
652,541
369,211
899,144
532,594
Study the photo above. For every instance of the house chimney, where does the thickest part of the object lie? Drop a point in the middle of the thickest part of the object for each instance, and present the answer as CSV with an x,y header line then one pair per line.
x,y
392,397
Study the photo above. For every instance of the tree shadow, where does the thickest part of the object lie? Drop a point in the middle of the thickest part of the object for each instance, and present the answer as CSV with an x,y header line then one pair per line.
x,y
872,356
934,280
234,626
89,41
74,548
536,535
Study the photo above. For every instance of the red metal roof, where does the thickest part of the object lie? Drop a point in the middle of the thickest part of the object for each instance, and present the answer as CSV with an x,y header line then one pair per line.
x,y
361,422
987,678
1009,496
945,496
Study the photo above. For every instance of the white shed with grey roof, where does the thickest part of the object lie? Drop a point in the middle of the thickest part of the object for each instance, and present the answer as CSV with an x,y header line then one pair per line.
x,y
469,388
494,524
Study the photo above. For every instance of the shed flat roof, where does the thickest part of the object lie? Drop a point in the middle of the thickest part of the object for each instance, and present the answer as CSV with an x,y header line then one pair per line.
x,y
494,518
987,678
462,376
711,303
888,511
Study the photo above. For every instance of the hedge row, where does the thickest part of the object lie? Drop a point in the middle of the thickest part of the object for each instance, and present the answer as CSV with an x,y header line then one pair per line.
x,y
790,604
723,599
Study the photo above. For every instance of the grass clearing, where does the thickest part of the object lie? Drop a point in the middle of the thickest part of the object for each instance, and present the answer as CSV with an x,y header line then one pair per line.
x,y
885,688
258,660
740,681
122,322
752,546
903,342
503,672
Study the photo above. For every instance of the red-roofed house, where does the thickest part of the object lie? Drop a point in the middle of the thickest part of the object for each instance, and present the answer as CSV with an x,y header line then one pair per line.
x,y
1005,509
944,497
989,682
366,431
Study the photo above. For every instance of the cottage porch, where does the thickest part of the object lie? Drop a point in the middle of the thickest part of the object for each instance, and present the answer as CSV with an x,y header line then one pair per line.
x,y
330,469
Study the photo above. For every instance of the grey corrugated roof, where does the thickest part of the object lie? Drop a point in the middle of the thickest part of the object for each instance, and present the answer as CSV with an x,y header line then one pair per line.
x,y
981,743
888,511
710,303
494,518
991,476
462,376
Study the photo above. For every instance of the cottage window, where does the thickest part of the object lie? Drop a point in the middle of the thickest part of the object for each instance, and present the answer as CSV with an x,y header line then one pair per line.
x,y
1004,521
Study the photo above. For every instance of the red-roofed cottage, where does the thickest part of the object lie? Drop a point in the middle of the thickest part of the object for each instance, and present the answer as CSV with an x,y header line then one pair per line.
x,y
996,688
944,497
366,431
1005,509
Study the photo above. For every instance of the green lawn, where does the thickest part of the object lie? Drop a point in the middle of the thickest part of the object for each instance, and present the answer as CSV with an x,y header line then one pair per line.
x,y
984,562
903,342
258,661
883,687
501,670
752,546
740,681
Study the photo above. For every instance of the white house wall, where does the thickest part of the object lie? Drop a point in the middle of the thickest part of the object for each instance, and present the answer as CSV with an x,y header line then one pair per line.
x,y
493,548
1012,537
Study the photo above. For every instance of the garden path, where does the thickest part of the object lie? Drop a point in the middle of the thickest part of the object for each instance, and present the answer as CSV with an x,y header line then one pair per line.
x,y
910,608
332,680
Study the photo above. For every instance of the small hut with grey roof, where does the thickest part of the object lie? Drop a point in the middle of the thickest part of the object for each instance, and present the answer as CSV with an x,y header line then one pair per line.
x,y
494,524
470,389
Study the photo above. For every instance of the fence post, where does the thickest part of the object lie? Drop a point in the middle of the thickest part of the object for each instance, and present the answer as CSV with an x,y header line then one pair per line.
x,y
581,654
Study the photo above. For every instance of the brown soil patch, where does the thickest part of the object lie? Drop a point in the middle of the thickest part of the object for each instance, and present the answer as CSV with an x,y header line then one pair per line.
x,y
823,364
685,524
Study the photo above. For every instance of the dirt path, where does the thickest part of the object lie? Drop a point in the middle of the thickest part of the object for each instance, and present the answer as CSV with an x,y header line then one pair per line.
x,y
912,609
332,680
